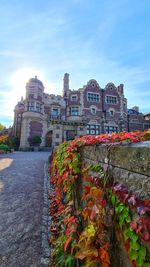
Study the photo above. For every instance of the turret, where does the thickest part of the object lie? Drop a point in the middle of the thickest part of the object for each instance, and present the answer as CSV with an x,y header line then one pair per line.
x,y
34,95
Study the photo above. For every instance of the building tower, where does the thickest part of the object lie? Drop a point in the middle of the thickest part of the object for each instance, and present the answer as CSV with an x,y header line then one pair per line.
x,y
33,115
34,95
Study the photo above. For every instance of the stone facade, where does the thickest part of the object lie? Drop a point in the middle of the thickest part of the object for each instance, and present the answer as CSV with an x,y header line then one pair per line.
x,y
88,110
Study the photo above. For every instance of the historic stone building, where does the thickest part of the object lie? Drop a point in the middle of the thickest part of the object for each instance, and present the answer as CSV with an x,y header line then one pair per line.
x,y
88,110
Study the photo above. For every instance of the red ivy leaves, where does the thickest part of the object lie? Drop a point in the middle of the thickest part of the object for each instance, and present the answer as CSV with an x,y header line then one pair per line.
x,y
104,255
67,243
142,225
63,174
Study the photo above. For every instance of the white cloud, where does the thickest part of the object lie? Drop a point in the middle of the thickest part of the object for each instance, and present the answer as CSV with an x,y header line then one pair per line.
x,y
11,54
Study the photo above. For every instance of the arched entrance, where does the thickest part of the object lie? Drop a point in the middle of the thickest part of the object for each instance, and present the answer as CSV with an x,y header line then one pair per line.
x,y
48,139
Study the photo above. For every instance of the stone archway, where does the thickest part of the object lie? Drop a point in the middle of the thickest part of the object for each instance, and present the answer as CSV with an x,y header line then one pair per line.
x,y
48,139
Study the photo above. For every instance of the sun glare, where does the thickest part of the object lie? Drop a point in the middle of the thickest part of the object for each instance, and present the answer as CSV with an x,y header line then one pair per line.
x,y
19,80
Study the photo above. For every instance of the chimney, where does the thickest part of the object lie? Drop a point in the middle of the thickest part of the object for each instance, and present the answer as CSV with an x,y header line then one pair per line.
x,y
65,83
120,88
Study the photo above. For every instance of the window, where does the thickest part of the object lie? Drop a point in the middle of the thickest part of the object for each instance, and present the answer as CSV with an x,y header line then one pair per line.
x,y
55,112
93,129
74,97
92,97
38,107
57,144
57,135
111,129
147,126
111,99
111,112
74,111
93,84
93,110
31,106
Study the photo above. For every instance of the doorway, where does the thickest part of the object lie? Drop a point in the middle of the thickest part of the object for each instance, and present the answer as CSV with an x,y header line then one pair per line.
x,y
48,139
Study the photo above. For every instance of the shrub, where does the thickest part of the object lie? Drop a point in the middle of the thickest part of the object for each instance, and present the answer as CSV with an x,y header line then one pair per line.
x,y
4,147
147,135
14,142
35,140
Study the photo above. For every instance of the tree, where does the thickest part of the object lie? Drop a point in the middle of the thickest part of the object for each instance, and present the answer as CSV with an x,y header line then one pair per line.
x,y
2,127
4,139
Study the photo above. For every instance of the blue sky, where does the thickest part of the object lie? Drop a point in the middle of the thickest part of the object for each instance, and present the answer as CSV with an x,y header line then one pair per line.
x,y
105,40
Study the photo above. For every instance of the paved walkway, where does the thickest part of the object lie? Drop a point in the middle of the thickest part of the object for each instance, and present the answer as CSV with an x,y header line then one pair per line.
x,y
21,207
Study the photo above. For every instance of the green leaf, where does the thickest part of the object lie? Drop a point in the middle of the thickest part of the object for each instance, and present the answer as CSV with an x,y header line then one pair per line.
x,y
142,252
133,255
113,199
134,245
76,170
125,212
121,221
134,237
128,219
60,258
146,264
126,234
119,209
70,261
139,262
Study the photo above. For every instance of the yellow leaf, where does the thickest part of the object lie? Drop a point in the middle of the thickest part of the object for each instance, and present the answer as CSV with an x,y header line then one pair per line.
x,y
90,230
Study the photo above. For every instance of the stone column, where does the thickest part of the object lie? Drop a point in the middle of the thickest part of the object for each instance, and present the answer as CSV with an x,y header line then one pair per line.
x,y
24,133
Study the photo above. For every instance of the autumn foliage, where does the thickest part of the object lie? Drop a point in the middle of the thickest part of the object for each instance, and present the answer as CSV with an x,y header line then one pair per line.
x,y
4,139
79,229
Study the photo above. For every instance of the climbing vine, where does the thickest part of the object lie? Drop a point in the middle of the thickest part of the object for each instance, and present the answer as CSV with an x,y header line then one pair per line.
x,y
80,229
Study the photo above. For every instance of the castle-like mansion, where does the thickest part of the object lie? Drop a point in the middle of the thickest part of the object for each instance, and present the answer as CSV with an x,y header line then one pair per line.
x,y
90,110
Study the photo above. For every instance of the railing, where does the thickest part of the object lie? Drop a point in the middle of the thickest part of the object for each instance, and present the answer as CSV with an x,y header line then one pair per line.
x,y
55,117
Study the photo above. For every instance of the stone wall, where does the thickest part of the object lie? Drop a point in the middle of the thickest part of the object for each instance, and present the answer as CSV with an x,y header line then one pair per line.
x,y
129,164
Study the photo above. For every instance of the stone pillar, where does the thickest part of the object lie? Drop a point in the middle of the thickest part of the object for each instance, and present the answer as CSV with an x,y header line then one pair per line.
x,y
45,130
57,135
24,133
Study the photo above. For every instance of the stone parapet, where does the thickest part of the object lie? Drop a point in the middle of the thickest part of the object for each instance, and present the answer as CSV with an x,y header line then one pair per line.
x,y
129,164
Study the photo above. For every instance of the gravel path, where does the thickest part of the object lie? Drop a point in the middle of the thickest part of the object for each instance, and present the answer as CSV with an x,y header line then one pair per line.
x,y
21,208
